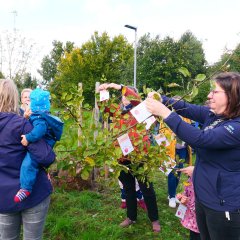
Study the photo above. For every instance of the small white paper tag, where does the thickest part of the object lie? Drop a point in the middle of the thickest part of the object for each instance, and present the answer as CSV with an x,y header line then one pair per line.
x,y
160,138
140,112
125,144
104,95
181,211
149,122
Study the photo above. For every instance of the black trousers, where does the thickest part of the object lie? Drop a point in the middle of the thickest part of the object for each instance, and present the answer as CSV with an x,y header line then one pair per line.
x,y
214,225
128,181
194,236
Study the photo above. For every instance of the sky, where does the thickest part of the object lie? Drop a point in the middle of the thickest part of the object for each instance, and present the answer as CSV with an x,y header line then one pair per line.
x,y
214,22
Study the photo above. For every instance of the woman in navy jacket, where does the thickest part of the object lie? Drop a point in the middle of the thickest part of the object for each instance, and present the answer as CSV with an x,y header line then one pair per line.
x,y
217,170
32,212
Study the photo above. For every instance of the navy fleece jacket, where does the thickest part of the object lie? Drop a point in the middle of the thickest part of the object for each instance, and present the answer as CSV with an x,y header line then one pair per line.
x,y
12,153
217,170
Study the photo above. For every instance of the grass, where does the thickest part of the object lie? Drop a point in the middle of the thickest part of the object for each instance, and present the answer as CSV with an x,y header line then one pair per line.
x,y
95,215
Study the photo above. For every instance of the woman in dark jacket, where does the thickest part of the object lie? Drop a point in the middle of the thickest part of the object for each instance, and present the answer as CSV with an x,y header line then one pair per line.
x,y
32,212
217,170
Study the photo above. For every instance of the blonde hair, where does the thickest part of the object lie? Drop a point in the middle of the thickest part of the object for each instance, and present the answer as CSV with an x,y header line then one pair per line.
x,y
25,90
8,96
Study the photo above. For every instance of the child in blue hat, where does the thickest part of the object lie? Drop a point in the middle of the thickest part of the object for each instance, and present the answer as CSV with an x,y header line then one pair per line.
x,y
45,126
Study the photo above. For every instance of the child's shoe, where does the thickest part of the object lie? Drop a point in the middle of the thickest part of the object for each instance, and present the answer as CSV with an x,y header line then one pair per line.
x,y
123,205
142,204
156,226
127,222
21,195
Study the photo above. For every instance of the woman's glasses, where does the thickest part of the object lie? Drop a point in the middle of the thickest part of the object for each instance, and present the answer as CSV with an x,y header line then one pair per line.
x,y
216,91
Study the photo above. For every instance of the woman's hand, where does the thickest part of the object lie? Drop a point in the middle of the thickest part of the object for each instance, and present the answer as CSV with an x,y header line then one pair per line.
x,y
102,86
157,108
187,170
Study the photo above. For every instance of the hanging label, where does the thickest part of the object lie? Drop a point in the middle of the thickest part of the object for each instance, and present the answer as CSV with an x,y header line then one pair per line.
x,y
125,144
140,112
104,95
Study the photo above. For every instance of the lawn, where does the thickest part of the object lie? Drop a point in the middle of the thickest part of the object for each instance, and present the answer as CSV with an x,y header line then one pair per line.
x,y
95,215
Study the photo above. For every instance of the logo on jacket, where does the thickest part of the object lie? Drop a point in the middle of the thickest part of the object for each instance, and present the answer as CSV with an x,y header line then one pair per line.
x,y
229,128
214,124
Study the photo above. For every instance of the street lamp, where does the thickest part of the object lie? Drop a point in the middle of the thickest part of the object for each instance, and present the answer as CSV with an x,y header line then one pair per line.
x,y
135,54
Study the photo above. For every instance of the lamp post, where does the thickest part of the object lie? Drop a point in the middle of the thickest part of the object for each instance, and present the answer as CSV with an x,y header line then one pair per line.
x,y
135,54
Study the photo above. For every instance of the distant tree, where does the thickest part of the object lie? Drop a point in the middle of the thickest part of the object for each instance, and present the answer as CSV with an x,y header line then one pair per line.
x,y
159,60
98,59
230,61
27,82
192,53
16,53
49,63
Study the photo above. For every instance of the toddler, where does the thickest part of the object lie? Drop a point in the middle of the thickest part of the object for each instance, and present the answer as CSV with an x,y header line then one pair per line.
x,y
45,126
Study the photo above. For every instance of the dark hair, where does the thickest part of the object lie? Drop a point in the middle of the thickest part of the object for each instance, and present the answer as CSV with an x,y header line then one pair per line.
x,y
230,83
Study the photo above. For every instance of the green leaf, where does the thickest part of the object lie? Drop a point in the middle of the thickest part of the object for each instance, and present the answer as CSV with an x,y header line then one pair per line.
x,y
200,77
194,92
188,98
184,72
84,174
172,85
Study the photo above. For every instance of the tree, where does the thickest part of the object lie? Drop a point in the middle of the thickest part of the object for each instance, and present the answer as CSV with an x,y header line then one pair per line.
x,y
230,61
49,63
192,53
159,60
16,53
27,82
98,59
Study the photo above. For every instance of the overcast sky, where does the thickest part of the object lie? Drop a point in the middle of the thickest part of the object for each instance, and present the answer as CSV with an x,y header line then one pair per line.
x,y
214,22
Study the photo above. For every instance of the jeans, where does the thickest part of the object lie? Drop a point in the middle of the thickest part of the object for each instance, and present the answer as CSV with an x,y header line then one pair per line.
x,y
32,219
173,182
28,173
214,225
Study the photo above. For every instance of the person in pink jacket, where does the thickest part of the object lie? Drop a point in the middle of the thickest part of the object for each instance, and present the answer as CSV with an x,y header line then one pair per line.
x,y
187,198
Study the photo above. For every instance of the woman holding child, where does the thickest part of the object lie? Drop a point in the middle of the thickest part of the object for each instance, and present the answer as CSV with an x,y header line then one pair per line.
x,y
32,212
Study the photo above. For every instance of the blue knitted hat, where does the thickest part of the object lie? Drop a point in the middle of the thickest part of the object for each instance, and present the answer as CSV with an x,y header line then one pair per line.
x,y
39,100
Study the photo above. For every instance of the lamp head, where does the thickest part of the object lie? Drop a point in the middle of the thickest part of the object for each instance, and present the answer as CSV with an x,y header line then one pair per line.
x,y
131,27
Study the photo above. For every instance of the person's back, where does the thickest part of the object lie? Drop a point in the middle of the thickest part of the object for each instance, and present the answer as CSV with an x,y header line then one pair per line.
x,y
17,216
12,152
